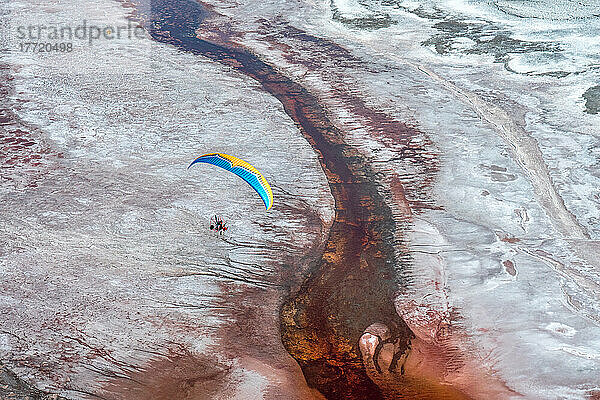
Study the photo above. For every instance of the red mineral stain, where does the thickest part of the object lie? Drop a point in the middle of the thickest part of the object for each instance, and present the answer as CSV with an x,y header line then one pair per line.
x,y
510,267
594,395
351,284
22,153
508,239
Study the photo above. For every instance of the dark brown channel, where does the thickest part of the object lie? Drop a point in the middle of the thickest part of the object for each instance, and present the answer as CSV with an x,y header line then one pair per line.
x,y
352,284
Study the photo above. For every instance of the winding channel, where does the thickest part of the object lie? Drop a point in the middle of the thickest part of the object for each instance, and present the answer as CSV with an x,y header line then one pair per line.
x,y
352,284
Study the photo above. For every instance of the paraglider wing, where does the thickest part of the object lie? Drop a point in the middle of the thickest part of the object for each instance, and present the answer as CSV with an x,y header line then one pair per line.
x,y
242,169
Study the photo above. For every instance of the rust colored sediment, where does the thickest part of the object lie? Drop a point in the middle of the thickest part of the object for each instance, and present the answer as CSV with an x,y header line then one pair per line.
x,y
352,284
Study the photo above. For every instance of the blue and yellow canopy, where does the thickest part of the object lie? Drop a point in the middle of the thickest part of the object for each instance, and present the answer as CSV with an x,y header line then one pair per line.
x,y
242,169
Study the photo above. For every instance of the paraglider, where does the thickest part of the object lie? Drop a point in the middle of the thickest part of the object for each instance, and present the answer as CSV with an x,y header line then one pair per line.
x,y
217,224
242,169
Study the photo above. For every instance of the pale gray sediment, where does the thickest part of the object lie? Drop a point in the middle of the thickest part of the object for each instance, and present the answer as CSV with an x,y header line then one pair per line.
x,y
592,100
107,266
526,153
17,147
14,388
501,196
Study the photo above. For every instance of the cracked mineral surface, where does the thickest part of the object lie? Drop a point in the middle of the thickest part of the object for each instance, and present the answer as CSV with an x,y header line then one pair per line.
x,y
434,166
